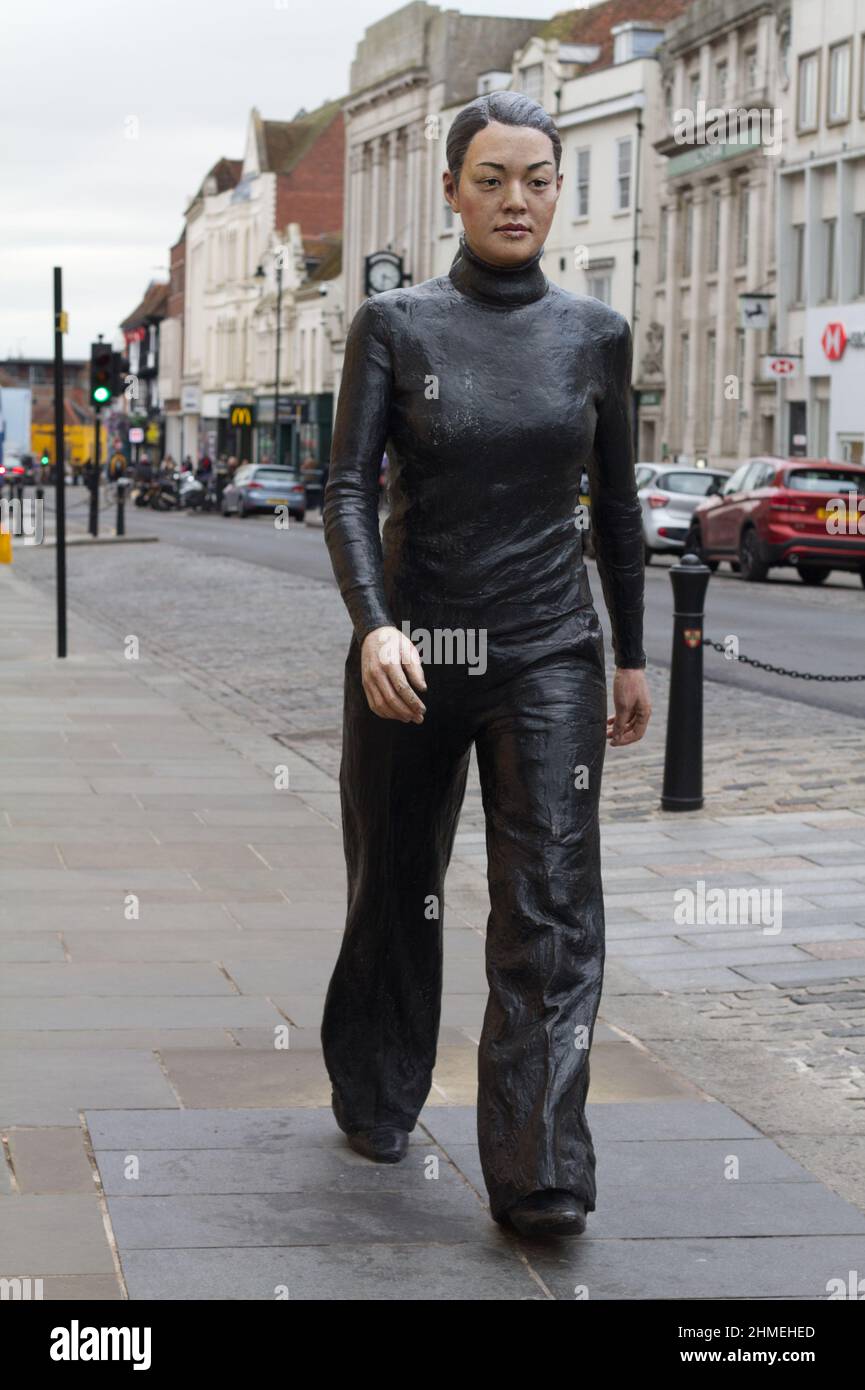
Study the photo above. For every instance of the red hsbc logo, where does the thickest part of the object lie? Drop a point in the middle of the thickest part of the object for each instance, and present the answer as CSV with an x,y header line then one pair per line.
x,y
834,341
781,366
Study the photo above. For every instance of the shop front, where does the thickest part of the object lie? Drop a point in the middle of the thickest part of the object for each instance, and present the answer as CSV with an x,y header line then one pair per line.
x,y
831,408
305,429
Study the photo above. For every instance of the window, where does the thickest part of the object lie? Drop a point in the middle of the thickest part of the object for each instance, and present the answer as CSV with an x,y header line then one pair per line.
x,y
447,217
862,77
751,70
643,475
686,369
742,211
583,166
740,366
721,81
623,173
806,106
860,255
663,226
533,81
710,375
714,230
689,484
688,238
799,263
830,262
839,82
694,89
823,480
599,286
735,480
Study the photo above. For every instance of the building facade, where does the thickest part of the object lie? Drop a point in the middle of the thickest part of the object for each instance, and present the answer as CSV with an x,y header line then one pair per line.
x,y
410,70
821,234
716,264
273,216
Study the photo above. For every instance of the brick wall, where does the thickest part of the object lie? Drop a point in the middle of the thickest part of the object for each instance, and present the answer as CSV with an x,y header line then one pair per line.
x,y
312,193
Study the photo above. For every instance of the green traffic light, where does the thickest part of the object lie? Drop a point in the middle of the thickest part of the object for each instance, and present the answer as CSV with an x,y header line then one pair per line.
x,y
101,394
45,459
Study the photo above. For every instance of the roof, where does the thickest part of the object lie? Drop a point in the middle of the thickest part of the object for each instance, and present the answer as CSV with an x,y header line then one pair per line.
x,y
282,144
594,25
328,251
225,174
152,306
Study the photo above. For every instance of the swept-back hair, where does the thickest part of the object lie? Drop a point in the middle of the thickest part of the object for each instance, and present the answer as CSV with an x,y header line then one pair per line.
x,y
507,108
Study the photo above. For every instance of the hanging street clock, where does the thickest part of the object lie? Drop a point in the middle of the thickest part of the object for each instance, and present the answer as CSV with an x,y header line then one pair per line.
x,y
382,271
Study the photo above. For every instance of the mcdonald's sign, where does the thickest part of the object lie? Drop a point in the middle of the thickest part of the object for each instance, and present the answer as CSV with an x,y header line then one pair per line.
x,y
241,415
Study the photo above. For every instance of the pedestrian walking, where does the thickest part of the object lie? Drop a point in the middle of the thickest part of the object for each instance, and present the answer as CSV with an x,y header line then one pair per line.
x,y
492,388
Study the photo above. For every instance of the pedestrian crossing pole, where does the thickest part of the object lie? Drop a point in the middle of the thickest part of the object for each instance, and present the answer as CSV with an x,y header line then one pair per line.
x,y
60,327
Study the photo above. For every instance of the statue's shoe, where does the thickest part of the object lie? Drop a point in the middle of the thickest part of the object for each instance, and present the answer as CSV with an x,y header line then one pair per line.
x,y
384,1144
548,1213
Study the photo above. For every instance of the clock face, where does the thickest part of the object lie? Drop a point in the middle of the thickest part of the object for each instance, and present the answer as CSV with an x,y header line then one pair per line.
x,y
384,275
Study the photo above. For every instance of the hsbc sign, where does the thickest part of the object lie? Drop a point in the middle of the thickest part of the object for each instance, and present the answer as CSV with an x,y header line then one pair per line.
x,y
835,338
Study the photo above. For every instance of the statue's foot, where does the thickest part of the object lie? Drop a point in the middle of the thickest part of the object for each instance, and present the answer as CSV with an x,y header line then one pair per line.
x,y
549,1213
384,1144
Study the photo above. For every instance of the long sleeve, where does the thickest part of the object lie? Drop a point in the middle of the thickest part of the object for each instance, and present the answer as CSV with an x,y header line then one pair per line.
x,y
351,529
617,525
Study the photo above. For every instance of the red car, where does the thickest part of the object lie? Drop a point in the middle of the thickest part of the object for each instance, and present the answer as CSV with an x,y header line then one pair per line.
x,y
809,513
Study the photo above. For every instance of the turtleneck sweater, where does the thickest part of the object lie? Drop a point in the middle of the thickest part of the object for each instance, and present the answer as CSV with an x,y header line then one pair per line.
x,y
492,390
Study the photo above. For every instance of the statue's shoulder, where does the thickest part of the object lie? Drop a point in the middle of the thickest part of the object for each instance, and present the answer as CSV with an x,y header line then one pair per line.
x,y
594,314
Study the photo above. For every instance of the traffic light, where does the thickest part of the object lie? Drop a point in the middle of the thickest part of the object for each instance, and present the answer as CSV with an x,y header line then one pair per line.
x,y
45,460
100,374
119,373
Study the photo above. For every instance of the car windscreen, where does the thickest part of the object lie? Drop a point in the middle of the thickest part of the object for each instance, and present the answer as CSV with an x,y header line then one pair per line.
x,y
274,475
825,480
696,484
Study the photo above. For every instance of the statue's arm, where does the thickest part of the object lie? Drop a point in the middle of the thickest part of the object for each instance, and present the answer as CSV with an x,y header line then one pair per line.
x,y
350,510
617,524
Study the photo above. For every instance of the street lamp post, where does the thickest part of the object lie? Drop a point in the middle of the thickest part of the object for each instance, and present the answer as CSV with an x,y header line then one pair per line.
x,y
260,275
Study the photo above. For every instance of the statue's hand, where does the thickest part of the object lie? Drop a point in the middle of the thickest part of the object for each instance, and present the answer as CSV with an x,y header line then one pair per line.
x,y
633,708
389,667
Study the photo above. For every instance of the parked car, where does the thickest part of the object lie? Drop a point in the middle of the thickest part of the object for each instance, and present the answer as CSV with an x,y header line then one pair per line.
x,y
16,468
668,494
258,487
774,512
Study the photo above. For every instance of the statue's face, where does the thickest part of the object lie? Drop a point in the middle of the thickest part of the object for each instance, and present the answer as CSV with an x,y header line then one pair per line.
x,y
507,192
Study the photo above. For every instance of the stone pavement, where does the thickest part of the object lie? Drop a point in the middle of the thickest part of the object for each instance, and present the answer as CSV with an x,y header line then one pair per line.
x,y
270,645
168,921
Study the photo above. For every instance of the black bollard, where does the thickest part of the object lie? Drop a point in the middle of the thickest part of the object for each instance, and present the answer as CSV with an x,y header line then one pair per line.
x,y
683,761
93,519
122,486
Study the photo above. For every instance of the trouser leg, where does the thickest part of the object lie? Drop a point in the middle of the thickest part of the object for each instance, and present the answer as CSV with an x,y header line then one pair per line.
x,y
402,786
545,938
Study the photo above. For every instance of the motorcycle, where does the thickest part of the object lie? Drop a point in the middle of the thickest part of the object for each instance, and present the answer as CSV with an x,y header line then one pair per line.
x,y
166,497
144,493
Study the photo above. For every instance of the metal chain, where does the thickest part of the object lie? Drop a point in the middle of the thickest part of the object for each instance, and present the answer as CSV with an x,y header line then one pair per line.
x,y
778,670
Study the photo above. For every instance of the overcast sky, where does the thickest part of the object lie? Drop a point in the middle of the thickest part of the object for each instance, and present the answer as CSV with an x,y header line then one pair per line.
x,y
75,191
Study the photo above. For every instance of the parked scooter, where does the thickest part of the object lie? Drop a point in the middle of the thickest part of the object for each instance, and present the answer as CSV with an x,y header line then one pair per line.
x,y
145,492
166,497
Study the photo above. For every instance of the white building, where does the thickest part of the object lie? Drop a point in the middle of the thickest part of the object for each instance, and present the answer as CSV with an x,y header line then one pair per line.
x,y
717,236
821,233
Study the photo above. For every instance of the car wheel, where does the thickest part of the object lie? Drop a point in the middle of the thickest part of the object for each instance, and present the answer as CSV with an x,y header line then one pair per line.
x,y
753,567
694,546
241,507
647,554
813,574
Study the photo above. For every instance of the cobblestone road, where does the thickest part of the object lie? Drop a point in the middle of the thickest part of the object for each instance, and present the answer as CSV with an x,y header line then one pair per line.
x,y
272,645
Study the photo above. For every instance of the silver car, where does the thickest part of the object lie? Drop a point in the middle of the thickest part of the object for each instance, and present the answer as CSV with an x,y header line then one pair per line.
x,y
668,494
259,487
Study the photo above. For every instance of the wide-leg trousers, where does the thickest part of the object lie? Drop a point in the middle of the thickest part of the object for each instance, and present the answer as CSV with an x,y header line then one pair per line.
x,y
539,734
